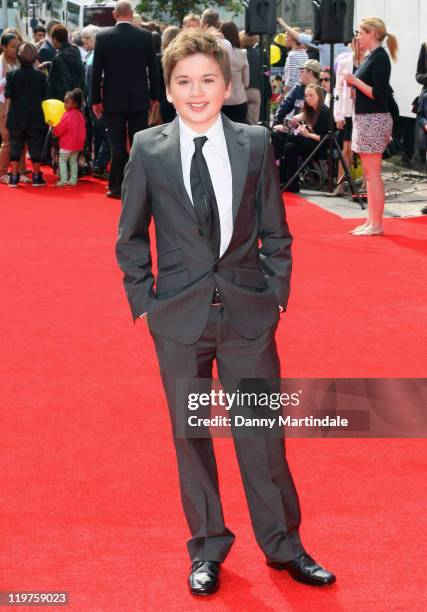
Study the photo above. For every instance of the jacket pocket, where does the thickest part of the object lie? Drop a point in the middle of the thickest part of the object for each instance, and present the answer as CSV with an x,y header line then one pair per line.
x,y
249,277
168,260
172,281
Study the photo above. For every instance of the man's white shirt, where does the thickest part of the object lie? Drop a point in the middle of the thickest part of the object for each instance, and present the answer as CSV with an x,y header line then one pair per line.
x,y
216,155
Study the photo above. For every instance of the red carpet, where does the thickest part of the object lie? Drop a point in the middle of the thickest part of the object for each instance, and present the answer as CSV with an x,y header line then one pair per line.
x,y
90,501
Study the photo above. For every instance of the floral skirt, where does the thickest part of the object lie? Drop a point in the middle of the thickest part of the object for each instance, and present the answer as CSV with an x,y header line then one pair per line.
x,y
371,132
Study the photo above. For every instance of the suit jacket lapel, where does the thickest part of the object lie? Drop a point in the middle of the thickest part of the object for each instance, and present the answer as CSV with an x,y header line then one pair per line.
x,y
238,152
171,162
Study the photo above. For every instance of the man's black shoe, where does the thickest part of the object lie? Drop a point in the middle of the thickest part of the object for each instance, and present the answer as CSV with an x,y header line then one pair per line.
x,y
305,569
204,577
101,173
424,210
111,194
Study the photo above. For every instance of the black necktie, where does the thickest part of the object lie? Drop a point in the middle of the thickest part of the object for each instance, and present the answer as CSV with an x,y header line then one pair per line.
x,y
204,200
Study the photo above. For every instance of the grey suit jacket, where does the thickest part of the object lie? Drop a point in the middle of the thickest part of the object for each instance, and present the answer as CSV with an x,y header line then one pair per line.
x,y
252,276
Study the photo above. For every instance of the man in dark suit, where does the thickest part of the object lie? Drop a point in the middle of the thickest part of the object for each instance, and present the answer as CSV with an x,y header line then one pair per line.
x,y
46,50
212,188
123,58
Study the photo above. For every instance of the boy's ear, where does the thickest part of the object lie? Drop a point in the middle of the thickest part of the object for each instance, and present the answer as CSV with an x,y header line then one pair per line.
x,y
227,92
168,96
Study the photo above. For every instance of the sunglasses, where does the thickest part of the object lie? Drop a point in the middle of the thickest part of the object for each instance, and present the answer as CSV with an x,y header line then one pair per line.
x,y
324,80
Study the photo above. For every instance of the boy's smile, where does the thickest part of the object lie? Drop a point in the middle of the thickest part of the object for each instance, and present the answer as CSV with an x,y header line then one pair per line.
x,y
197,90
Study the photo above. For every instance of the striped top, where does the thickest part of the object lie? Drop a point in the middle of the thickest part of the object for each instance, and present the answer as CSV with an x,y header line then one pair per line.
x,y
295,60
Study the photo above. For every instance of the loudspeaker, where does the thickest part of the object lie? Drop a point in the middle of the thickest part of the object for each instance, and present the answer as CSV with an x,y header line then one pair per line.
x,y
260,17
333,21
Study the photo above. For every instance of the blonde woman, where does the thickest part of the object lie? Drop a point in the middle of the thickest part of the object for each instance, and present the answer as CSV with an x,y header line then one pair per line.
x,y
372,122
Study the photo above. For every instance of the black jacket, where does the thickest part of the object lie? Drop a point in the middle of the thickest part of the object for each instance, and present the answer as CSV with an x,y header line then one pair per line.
x,y
66,72
422,116
26,88
421,74
294,101
47,51
125,71
375,71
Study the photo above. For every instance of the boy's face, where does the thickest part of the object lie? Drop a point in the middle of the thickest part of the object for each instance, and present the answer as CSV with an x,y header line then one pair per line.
x,y
197,90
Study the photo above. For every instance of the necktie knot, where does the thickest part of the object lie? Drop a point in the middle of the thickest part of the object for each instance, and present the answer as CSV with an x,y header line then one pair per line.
x,y
199,142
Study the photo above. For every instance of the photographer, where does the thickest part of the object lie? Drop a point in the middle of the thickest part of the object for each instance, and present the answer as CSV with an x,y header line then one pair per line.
x,y
310,127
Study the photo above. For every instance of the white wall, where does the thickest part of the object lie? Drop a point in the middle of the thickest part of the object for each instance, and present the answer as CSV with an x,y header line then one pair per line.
x,y
407,19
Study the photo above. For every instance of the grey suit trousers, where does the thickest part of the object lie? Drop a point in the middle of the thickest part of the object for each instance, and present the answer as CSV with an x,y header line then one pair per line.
x,y
268,484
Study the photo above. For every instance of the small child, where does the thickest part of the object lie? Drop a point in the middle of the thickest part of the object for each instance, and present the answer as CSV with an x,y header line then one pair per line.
x,y
24,93
71,133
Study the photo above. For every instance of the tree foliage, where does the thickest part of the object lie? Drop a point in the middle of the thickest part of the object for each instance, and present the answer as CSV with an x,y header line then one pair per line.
x,y
177,9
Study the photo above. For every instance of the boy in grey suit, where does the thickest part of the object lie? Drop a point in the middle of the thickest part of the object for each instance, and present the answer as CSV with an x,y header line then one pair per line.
x,y
224,265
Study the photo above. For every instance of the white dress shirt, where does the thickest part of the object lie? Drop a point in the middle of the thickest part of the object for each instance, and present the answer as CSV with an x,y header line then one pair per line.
x,y
216,155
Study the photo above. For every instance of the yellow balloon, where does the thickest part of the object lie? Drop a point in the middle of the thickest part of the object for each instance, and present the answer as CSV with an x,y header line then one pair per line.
x,y
274,54
280,39
53,111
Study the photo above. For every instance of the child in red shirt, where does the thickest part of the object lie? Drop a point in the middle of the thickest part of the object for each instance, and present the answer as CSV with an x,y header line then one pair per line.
x,y
71,133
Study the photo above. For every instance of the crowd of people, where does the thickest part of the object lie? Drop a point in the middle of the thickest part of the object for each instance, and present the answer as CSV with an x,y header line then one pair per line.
x,y
112,85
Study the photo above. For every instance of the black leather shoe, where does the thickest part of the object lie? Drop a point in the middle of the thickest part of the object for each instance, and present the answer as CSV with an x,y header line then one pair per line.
x,y
424,210
111,194
305,569
204,577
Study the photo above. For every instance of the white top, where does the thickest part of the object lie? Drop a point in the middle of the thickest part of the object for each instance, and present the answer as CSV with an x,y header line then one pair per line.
x,y
344,101
3,79
216,155
239,77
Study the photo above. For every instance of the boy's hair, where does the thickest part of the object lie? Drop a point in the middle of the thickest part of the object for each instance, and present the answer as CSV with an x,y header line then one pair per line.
x,y
27,53
59,33
39,28
76,95
191,42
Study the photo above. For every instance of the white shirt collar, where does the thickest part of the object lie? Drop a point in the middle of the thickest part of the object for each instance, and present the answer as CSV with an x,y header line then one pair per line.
x,y
215,134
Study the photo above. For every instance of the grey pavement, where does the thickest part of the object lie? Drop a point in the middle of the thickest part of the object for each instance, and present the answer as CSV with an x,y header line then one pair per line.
x,y
406,193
